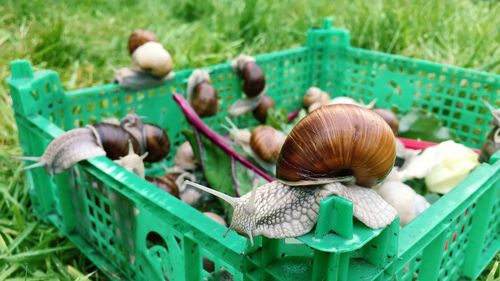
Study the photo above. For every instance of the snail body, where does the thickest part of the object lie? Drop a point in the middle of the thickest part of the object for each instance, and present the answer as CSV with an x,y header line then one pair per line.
x,y
332,146
66,150
103,139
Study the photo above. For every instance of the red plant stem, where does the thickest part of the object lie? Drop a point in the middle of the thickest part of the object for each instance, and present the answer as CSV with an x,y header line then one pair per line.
x,y
418,144
196,121
292,115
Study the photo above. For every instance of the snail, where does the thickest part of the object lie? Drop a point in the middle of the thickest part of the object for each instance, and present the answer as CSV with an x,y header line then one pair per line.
x,y
492,143
132,162
404,199
166,183
334,144
138,38
201,93
151,64
265,104
103,139
266,143
254,84
390,118
240,136
254,81
184,158
151,57
314,98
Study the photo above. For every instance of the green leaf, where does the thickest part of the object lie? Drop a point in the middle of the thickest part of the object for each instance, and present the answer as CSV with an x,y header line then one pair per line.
x,y
218,168
277,118
417,124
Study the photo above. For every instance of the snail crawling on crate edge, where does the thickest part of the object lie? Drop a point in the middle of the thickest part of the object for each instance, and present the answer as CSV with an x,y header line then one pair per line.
x,y
333,144
103,139
492,143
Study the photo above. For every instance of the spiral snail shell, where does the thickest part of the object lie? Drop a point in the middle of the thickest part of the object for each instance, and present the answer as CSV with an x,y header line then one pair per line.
x,y
266,142
262,109
254,81
337,140
138,38
201,94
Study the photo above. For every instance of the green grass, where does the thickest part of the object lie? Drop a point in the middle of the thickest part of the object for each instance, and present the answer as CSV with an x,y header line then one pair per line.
x,y
84,41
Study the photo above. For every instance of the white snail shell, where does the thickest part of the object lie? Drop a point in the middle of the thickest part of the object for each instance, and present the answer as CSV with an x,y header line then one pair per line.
x,y
153,58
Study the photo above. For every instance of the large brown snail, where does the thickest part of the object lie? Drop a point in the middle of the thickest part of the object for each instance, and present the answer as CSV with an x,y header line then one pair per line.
x,y
333,144
100,139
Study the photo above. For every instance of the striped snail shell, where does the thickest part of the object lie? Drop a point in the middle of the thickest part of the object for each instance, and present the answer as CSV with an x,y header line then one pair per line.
x,y
335,141
266,143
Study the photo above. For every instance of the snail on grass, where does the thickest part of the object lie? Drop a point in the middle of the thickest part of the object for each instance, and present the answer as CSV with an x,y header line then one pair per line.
x,y
151,62
339,149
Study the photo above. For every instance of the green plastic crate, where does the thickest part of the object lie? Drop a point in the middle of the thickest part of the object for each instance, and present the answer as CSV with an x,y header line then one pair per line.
x,y
134,231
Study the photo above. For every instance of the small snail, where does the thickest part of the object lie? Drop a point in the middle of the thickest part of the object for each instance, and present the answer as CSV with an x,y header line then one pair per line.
x,y
492,143
166,183
184,158
151,57
151,64
254,81
201,94
404,199
138,38
266,143
132,162
265,104
103,139
390,118
339,143
254,84
314,98
240,136
215,217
